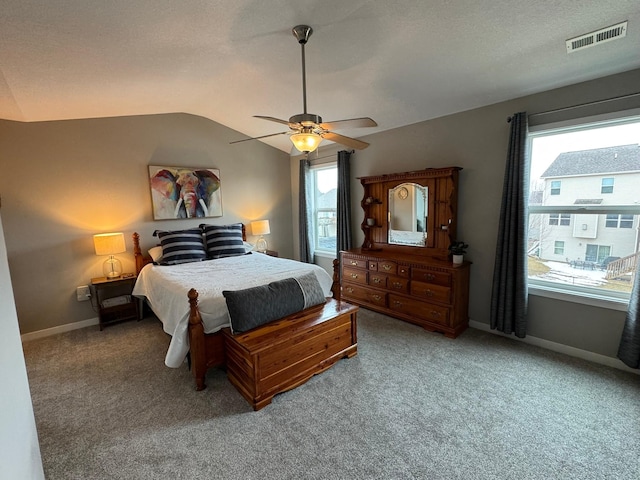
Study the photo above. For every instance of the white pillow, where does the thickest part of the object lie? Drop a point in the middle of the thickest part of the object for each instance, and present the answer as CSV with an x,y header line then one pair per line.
x,y
156,253
247,247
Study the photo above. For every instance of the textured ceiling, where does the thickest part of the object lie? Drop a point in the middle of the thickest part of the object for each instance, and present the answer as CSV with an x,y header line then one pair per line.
x,y
396,61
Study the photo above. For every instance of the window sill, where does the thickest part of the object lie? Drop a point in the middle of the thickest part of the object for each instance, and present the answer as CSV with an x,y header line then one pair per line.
x,y
324,254
600,301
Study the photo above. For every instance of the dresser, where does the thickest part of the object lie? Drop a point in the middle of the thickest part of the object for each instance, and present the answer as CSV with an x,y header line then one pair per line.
x,y
403,268
430,293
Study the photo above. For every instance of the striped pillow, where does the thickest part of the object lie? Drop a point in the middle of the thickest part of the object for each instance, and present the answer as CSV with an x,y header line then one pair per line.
x,y
223,240
182,246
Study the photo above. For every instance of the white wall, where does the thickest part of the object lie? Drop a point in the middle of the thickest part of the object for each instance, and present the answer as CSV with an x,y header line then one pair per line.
x,y
19,449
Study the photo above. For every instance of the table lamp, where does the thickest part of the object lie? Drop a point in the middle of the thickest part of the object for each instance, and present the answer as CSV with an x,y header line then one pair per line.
x,y
110,244
261,227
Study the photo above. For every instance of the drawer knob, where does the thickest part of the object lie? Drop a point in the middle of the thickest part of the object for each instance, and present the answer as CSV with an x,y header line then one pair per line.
x,y
376,280
349,289
397,303
354,275
435,314
428,293
353,262
376,297
398,285
386,267
429,276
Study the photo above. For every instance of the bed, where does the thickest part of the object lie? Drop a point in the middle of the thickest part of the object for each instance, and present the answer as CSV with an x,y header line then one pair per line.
x,y
188,300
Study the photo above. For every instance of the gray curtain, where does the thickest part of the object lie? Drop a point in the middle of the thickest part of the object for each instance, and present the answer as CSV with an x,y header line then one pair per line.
x,y
306,252
344,202
509,294
629,350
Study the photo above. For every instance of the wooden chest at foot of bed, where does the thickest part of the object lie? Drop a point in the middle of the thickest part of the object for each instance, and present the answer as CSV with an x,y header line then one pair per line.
x,y
283,354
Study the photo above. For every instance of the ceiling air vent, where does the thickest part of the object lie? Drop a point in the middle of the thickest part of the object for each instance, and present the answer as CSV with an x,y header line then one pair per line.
x,y
599,36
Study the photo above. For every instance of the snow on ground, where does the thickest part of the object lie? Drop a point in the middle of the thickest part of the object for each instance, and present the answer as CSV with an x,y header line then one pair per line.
x,y
565,273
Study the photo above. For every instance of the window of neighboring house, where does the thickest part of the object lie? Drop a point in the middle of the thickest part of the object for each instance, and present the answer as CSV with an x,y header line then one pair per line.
x,y
607,185
619,221
324,214
558,248
600,254
559,219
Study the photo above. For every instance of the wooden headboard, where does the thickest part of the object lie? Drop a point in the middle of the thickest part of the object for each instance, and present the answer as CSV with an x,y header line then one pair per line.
x,y
142,259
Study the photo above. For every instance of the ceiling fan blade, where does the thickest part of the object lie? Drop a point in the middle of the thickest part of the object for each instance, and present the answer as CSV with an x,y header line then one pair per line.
x,y
274,119
258,138
349,123
348,141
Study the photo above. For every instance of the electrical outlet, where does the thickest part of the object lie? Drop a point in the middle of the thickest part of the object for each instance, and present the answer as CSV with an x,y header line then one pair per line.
x,y
83,293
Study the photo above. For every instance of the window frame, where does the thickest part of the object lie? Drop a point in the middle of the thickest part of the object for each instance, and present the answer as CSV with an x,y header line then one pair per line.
x,y
315,210
600,297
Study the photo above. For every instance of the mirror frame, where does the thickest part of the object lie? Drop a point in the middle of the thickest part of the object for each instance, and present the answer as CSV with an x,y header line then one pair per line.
x,y
413,190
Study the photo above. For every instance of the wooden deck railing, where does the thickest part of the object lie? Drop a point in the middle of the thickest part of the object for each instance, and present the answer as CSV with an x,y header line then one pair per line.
x,y
621,266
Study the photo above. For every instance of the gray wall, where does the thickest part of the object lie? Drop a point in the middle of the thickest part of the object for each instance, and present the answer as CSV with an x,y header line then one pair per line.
x,y
19,449
64,181
477,141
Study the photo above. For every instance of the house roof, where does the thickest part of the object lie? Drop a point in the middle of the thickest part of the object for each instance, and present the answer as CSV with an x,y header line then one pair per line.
x,y
619,159
398,62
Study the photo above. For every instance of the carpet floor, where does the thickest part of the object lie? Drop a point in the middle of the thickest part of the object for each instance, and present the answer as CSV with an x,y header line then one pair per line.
x,y
410,405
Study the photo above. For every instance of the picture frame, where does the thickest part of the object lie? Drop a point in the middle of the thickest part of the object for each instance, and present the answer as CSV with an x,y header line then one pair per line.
x,y
185,192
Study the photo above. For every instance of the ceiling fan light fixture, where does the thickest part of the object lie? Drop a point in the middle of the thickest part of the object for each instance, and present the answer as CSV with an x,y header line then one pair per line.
x,y
306,141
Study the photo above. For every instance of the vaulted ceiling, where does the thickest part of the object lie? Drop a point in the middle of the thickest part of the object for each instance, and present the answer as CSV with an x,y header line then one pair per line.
x,y
396,61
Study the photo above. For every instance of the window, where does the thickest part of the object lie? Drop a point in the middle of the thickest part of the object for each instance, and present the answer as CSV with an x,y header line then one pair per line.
x,y
559,219
607,185
596,258
324,214
619,221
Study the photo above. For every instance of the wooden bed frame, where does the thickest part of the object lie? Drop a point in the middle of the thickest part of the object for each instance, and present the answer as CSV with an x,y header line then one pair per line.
x,y
208,350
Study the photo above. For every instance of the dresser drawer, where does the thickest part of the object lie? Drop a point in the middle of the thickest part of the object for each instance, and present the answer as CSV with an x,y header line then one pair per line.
x,y
364,294
430,276
421,310
430,291
377,279
398,284
385,266
354,275
403,271
353,262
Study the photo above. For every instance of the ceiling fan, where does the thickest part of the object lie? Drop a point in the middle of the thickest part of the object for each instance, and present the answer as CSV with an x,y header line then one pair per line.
x,y
307,130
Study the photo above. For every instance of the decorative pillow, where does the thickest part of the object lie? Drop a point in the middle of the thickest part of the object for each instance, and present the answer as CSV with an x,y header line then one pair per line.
x,y
182,246
255,306
223,240
156,254
247,247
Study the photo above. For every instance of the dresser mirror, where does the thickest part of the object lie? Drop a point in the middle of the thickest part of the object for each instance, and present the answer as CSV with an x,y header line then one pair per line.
x,y
407,214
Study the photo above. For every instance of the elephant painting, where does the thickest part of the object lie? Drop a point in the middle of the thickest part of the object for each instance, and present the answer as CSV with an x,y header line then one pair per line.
x,y
179,192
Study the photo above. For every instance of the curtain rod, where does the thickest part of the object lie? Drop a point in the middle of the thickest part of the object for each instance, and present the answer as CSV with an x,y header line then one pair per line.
x,y
597,102
327,156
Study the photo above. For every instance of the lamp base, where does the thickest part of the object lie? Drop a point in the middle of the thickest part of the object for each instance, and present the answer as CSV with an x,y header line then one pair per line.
x,y
112,268
261,245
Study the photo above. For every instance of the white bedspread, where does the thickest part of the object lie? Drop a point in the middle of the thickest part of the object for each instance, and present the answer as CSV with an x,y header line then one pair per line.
x,y
166,287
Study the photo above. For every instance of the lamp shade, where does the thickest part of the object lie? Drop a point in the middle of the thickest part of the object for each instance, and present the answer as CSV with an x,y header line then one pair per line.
x,y
260,227
109,243
306,141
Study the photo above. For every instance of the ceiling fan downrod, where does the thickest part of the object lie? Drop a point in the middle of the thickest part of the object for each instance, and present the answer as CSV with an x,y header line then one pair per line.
x,y
302,34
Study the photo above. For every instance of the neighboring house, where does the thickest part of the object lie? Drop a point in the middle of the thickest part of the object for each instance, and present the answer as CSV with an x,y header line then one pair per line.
x,y
603,179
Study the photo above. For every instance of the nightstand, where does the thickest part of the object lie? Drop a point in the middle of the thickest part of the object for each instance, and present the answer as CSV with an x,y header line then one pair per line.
x,y
271,253
113,299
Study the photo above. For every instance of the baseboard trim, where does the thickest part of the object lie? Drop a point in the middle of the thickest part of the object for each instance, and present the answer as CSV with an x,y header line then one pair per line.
x,y
47,332
560,348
